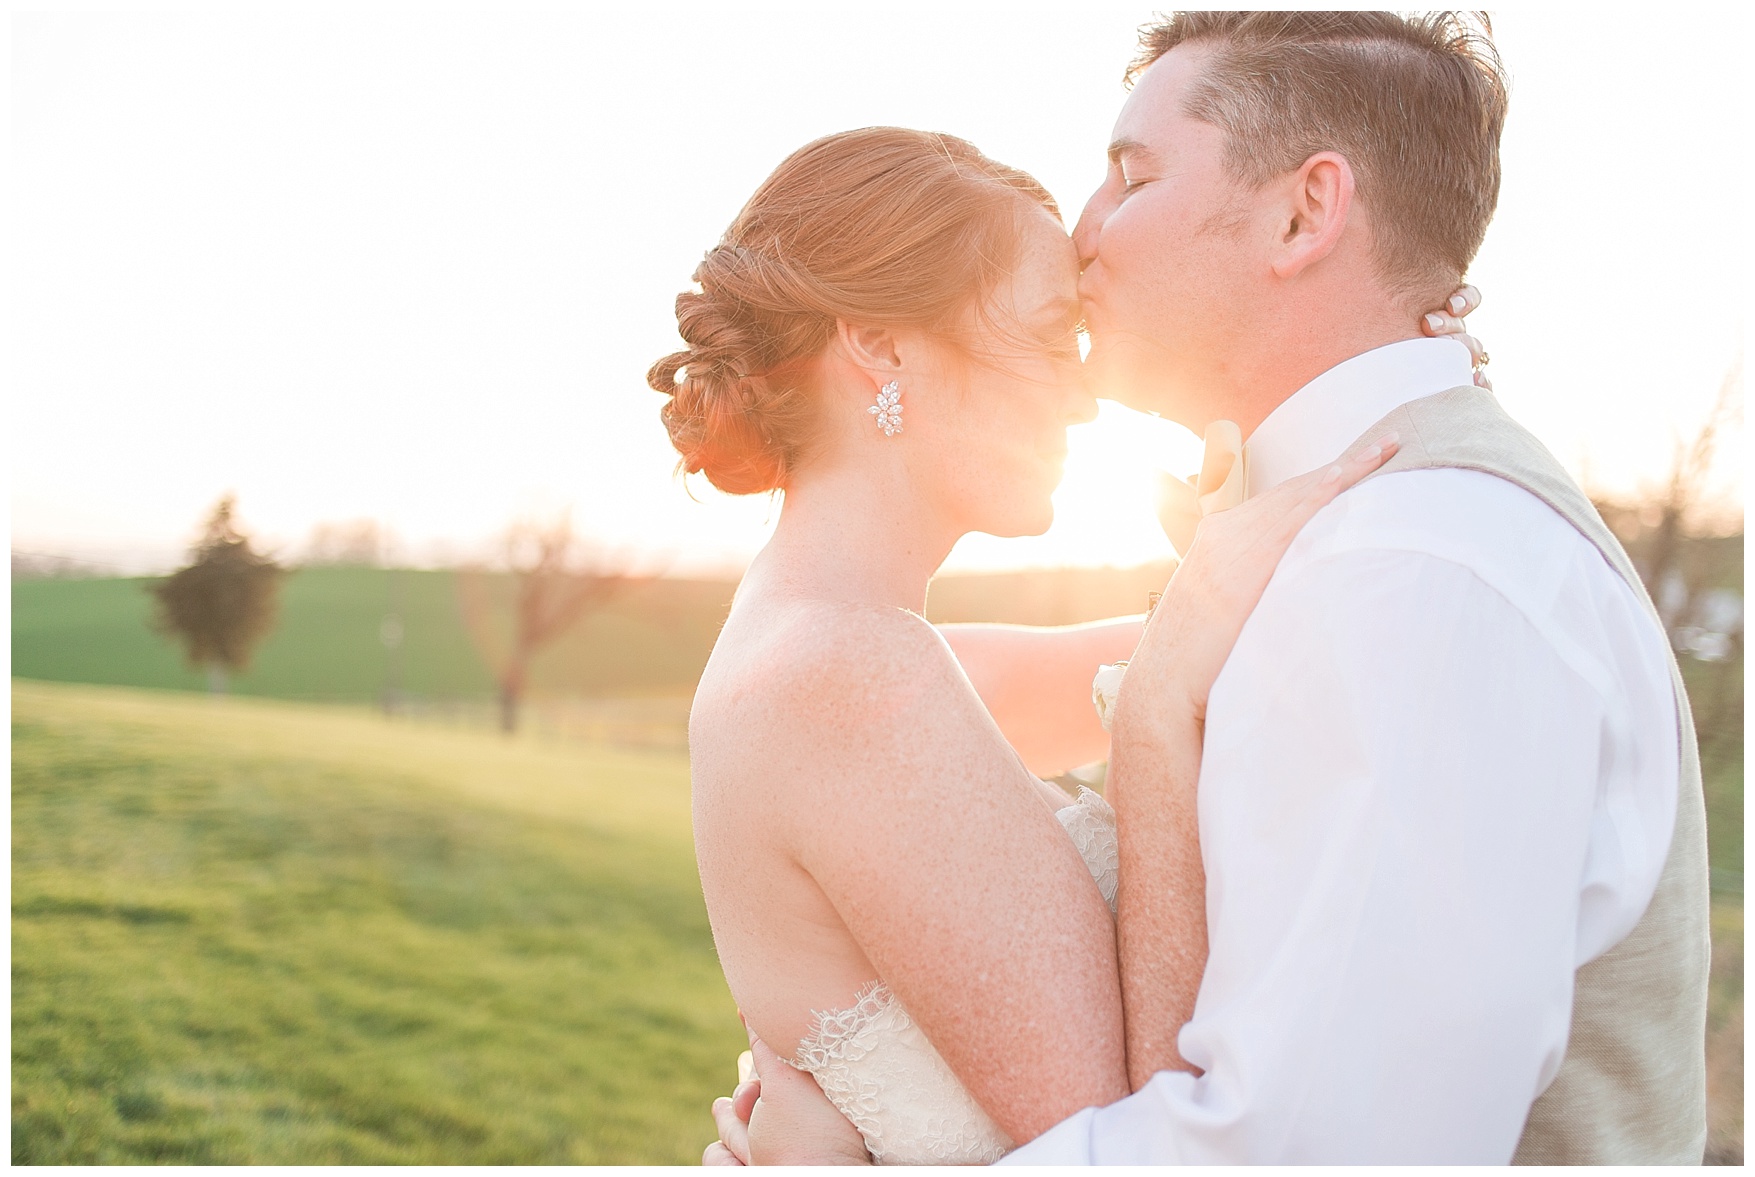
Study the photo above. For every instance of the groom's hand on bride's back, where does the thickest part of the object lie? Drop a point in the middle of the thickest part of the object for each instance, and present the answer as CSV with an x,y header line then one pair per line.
x,y
781,1118
731,1116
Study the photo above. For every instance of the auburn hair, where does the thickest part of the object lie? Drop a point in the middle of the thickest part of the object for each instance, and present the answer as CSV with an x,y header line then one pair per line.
x,y
880,227
1415,103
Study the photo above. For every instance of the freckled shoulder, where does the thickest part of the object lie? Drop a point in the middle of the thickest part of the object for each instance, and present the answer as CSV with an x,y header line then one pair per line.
x,y
852,664
838,699
853,652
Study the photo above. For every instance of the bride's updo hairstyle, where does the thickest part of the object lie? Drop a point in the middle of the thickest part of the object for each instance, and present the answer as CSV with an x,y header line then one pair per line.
x,y
882,227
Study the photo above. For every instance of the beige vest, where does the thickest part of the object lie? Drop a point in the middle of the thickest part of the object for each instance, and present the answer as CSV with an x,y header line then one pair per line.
x,y
1632,1087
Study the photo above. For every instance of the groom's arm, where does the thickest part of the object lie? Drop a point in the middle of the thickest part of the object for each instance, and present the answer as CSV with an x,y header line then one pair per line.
x,y
1395,810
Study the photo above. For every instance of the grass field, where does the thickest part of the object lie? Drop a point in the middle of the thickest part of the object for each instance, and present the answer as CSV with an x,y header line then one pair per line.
x,y
654,639
253,931
261,932
249,932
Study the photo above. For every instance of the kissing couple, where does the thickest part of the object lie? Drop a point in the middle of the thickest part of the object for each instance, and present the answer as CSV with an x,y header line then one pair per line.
x,y
1401,854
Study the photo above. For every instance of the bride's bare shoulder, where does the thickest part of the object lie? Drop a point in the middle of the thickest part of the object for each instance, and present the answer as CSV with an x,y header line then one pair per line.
x,y
812,650
819,677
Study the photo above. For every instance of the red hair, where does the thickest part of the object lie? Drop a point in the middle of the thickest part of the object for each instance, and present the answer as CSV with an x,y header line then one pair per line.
x,y
880,227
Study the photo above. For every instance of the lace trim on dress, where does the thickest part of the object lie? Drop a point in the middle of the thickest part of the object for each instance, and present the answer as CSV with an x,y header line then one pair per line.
x,y
831,1048
1090,823
833,1028
878,1069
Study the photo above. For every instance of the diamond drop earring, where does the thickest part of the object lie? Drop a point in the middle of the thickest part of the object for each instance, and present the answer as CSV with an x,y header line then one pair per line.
x,y
888,409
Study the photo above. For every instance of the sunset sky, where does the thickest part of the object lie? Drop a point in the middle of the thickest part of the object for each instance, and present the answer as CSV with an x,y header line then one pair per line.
x,y
408,265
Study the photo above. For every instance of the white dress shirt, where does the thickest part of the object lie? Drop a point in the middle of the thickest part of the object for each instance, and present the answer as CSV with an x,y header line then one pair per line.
x,y
1440,774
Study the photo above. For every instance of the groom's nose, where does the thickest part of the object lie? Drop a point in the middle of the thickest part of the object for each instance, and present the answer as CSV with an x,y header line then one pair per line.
x,y
1090,225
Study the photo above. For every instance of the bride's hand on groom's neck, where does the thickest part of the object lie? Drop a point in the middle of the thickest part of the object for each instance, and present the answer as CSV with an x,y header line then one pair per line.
x,y
1446,322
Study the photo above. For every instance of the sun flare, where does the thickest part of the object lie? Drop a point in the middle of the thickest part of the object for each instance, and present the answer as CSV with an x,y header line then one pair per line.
x,y
1103,511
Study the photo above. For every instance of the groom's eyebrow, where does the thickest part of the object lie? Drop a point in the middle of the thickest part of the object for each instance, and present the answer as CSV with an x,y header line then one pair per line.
x,y
1123,147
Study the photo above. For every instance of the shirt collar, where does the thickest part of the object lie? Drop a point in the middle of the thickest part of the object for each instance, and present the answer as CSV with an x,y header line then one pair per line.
x,y
1318,422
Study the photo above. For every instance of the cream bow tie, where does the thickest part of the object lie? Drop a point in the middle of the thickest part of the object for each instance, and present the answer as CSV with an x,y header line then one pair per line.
x,y
1218,486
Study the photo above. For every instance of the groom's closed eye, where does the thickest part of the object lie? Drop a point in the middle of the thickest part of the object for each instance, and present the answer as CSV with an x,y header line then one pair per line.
x,y
1120,149
1132,163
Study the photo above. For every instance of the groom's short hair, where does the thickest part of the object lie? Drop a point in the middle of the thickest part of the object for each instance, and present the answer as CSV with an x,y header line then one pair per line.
x,y
1415,103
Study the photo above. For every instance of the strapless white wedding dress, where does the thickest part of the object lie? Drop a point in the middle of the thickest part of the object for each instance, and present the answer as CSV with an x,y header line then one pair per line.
x,y
874,1064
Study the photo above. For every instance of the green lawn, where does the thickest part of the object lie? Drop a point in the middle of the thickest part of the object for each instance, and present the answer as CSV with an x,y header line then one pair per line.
x,y
264,932
651,640
325,646
250,932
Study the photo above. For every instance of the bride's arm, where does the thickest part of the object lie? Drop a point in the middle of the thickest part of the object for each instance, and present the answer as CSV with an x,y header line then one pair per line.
x,y
1155,758
1036,683
889,785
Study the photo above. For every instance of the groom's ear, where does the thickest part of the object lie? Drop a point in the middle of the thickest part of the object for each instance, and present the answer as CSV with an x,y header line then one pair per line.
x,y
1318,199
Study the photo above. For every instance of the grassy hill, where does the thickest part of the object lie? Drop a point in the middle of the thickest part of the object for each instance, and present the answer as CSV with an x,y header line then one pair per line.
x,y
652,640
250,932
259,932
295,933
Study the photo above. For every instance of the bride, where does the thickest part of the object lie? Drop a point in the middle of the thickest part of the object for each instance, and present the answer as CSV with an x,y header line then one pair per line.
x,y
888,334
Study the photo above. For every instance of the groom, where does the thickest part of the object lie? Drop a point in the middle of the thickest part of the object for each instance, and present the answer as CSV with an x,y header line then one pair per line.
x,y
1450,808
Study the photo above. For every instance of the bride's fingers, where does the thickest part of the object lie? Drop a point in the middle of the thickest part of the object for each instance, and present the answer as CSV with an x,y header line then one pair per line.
x,y
1438,324
1316,490
1324,484
1448,319
1462,304
1352,469
1477,353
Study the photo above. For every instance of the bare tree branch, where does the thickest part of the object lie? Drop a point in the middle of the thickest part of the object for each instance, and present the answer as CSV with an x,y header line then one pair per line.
x,y
556,580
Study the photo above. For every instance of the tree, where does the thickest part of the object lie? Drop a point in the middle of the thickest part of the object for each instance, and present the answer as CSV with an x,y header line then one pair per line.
x,y
224,602
556,580
354,543
1687,543
1657,524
